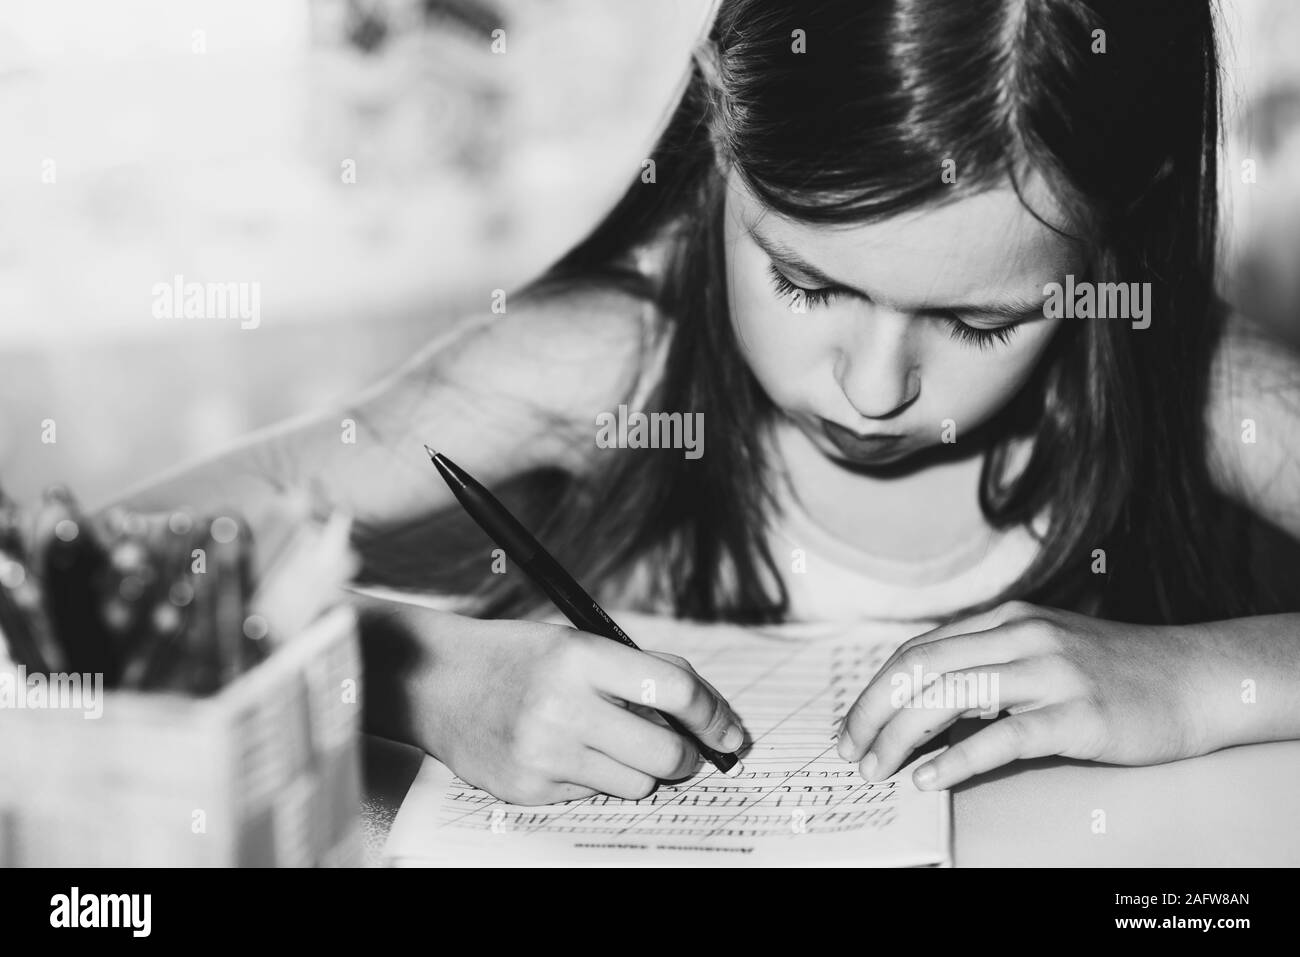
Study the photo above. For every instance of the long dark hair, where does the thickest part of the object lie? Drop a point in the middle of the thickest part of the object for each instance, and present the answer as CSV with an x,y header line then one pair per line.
x,y
1114,103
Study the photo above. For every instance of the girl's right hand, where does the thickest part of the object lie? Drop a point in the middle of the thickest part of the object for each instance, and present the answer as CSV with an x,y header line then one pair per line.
x,y
537,713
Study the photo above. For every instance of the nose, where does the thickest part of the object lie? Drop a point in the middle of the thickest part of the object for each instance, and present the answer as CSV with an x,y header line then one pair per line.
x,y
876,368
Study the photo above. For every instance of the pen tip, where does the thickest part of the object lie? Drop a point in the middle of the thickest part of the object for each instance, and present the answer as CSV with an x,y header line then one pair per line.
x,y
431,452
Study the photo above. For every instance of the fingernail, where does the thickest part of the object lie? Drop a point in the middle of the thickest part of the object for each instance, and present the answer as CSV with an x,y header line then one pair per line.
x,y
926,776
733,738
868,765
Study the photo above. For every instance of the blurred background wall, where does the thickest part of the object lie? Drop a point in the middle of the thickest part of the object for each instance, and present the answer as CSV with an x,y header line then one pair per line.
x,y
374,166
377,169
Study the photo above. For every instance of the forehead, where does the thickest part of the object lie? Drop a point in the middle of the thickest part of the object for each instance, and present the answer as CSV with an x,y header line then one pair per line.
x,y
978,247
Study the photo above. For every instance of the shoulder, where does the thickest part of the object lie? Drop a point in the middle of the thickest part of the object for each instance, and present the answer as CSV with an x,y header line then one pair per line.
x,y
555,358
1253,422
581,345
581,321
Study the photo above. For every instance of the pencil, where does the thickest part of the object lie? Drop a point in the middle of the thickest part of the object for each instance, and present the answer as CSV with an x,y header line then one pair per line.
x,y
569,597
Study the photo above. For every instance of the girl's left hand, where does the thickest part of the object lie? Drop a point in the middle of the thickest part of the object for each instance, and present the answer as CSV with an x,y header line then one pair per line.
x,y
1073,685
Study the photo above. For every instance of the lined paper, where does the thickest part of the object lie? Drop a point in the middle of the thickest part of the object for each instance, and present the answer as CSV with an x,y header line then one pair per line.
x,y
796,802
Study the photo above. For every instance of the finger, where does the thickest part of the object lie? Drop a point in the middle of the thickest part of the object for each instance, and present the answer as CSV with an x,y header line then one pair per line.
x,y
566,791
897,683
599,771
936,722
641,744
1003,614
1030,734
534,792
683,663
981,691
739,736
646,679
642,710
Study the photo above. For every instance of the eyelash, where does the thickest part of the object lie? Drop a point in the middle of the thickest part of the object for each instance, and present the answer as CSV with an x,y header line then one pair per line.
x,y
787,289
981,338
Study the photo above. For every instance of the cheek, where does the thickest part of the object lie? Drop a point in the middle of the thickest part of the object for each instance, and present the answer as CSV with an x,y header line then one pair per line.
x,y
783,347
980,383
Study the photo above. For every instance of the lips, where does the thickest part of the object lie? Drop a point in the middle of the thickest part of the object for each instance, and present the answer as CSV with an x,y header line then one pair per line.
x,y
877,447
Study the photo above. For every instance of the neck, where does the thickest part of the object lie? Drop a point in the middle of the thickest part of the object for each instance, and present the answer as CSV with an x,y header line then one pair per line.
x,y
914,511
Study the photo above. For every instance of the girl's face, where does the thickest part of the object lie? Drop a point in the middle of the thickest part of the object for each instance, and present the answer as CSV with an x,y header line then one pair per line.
x,y
881,340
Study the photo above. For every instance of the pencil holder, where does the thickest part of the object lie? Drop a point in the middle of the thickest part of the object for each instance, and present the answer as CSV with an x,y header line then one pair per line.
x,y
264,773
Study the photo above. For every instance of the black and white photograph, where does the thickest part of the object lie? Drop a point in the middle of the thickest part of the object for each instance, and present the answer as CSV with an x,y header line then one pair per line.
x,y
651,434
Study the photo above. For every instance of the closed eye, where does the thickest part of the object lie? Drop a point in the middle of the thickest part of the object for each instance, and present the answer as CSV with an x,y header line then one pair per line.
x,y
799,294
961,331
982,338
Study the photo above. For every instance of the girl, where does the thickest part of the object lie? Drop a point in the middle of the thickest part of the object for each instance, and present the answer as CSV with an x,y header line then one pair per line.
x,y
859,209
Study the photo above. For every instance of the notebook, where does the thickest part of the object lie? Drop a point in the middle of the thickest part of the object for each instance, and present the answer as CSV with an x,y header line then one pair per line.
x,y
795,803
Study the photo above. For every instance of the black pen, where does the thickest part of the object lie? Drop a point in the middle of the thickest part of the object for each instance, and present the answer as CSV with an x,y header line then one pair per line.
x,y
526,552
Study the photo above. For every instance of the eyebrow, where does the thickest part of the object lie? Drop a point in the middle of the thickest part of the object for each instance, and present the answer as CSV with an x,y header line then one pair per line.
x,y
1016,307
